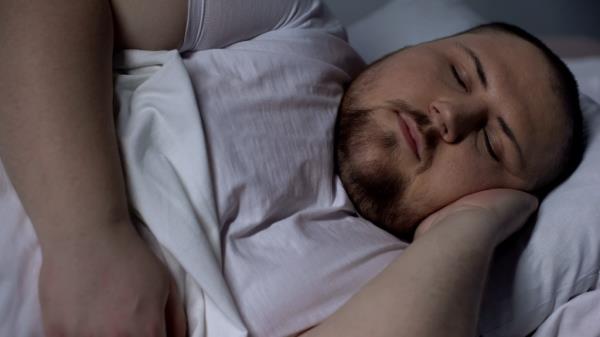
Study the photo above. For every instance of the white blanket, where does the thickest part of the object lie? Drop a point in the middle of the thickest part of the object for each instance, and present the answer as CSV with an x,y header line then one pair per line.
x,y
162,143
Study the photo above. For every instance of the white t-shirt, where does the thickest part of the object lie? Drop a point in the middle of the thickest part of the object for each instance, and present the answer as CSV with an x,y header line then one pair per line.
x,y
269,76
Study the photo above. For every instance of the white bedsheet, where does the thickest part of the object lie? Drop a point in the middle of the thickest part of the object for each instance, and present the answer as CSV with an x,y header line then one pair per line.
x,y
580,317
162,143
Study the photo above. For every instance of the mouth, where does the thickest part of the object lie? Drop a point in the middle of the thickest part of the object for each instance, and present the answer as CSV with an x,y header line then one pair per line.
x,y
411,134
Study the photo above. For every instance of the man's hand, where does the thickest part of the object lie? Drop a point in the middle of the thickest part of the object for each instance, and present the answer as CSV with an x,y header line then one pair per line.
x,y
109,284
503,211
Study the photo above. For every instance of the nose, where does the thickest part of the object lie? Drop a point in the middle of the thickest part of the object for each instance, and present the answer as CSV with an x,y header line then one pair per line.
x,y
455,120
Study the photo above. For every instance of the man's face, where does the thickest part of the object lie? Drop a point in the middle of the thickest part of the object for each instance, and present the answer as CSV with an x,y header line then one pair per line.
x,y
444,119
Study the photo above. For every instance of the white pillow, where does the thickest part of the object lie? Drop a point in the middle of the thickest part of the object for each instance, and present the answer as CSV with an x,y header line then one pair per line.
x,y
545,265
587,72
404,22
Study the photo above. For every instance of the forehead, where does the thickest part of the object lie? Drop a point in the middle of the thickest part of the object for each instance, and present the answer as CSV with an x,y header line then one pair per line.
x,y
518,70
520,89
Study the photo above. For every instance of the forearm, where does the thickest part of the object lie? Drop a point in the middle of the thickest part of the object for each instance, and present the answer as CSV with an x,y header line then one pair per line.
x,y
433,289
57,139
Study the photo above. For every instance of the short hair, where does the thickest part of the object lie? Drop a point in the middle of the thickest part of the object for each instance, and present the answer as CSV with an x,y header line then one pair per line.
x,y
565,86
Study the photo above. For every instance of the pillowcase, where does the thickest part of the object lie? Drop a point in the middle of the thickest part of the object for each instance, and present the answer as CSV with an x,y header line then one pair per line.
x,y
587,72
404,22
547,263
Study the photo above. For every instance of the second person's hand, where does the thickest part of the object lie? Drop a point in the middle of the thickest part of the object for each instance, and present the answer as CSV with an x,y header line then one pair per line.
x,y
108,283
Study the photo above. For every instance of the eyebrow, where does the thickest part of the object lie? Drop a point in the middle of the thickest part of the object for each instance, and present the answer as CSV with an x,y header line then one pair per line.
x,y
477,62
508,131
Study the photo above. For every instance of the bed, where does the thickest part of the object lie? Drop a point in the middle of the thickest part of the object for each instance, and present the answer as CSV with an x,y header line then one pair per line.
x,y
543,283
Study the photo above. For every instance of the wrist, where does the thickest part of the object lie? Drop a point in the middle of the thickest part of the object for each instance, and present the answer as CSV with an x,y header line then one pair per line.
x,y
75,239
476,229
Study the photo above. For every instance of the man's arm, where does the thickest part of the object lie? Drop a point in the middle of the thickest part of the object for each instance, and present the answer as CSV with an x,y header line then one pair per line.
x,y
59,147
434,288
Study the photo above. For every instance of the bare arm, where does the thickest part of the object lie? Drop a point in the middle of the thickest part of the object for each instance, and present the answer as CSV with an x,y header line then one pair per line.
x,y
58,144
56,136
434,288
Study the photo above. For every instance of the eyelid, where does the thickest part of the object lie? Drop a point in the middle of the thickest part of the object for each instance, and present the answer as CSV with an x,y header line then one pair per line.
x,y
488,145
459,78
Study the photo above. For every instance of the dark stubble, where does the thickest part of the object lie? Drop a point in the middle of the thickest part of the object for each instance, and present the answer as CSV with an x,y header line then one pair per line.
x,y
377,187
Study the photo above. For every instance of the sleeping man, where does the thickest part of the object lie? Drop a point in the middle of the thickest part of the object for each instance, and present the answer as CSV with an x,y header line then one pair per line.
x,y
473,117
442,144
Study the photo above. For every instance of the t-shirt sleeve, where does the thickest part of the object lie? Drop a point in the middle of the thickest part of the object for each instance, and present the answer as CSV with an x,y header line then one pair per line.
x,y
220,23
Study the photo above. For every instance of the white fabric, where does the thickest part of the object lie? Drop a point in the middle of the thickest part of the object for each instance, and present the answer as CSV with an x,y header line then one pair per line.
x,y
294,249
217,24
167,170
587,72
20,259
578,317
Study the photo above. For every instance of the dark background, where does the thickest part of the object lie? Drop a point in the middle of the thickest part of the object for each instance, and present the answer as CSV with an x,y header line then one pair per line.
x,y
540,17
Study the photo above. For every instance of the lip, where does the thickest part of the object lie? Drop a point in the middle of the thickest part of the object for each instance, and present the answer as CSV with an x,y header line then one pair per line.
x,y
411,134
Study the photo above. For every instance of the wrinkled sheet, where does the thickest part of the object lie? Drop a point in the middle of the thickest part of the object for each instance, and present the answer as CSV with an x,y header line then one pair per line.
x,y
580,317
162,145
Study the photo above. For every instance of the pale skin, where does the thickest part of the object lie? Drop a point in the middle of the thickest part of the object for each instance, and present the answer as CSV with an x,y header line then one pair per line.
x,y
98,278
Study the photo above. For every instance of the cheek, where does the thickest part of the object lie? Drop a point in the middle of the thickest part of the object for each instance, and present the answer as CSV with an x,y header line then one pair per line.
x,y
453,174
413,77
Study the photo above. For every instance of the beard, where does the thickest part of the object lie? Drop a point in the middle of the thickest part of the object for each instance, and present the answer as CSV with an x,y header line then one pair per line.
x,y
369,163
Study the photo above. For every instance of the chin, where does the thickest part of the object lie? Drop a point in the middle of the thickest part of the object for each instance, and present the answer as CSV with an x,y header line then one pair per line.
x,y
404,229
379,198
369,164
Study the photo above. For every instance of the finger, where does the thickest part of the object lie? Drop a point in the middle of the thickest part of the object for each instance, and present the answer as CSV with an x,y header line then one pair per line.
x,y
175,314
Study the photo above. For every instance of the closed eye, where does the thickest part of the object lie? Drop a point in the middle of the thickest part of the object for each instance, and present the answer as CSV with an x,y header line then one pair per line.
x,y
489,147
458,78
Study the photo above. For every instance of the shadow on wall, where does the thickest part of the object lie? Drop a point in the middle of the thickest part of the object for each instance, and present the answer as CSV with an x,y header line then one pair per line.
x,y
349,11
544,17
541,17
